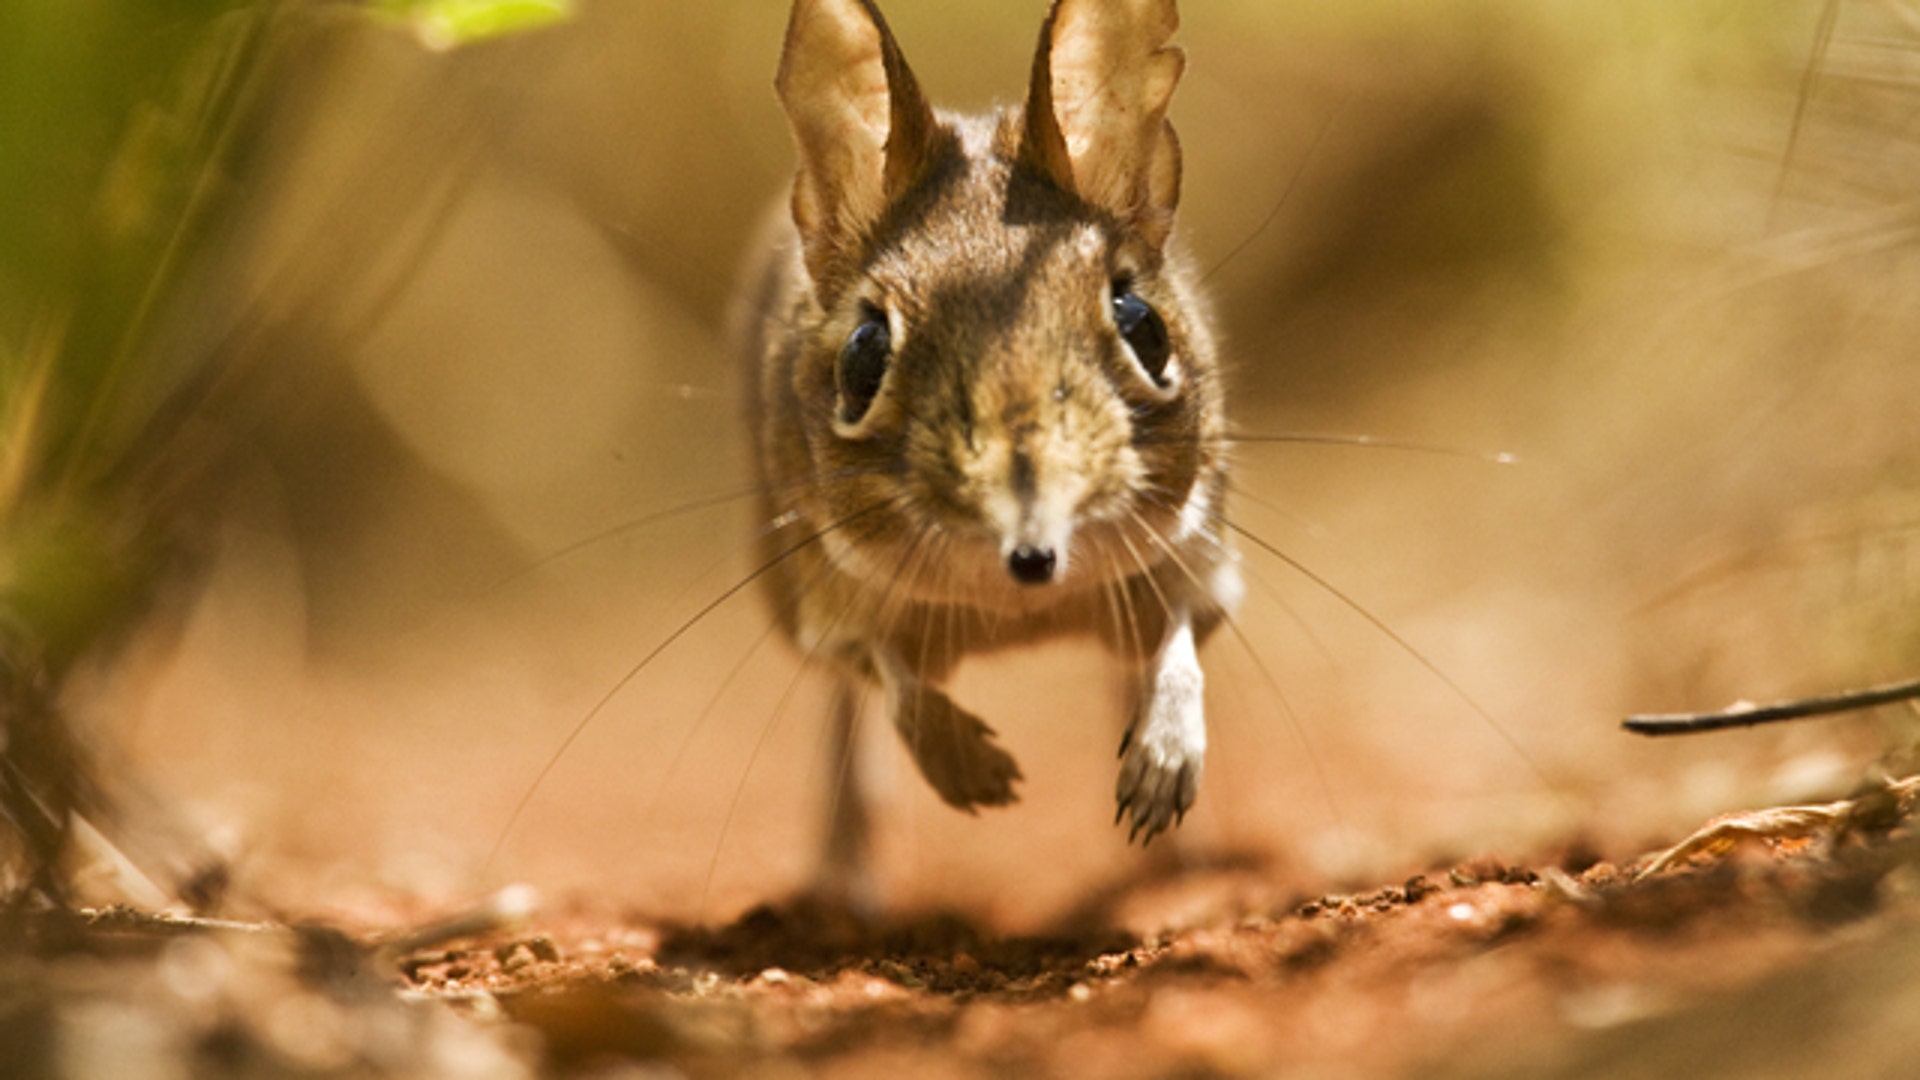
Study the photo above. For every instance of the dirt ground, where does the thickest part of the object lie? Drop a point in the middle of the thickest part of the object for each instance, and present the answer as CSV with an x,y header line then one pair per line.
x,y
1663,253
1785,956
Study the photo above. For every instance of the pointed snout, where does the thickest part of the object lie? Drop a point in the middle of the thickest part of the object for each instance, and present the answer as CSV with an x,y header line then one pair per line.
x,y
1032,565
1030,479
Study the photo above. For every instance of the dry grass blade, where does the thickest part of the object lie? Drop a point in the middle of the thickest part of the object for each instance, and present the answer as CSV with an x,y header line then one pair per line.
x,y
1824,820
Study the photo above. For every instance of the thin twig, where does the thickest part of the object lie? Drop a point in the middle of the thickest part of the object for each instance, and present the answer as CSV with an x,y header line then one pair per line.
x,y
506,909
1748,715
121,920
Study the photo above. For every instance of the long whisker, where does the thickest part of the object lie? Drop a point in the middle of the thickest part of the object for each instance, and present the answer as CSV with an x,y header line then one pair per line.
x,y
729,593
1803,546
1401,642
705,502
1286,194
1167,607
753,757
657,517
784,612
685,742
1161,498
1126,635
846,763
926,643
1322,438
910,569
1241,493
892,604
1381,442
766,731
1145,571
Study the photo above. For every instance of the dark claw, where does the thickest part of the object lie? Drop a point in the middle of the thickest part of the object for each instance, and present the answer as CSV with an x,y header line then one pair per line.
x,y
1156,799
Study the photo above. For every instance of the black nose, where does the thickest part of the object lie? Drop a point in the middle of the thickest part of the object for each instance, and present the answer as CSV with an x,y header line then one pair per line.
x,y
1031,566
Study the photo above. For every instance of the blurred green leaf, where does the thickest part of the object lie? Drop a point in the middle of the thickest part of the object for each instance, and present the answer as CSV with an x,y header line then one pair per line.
x,y
117,141
446,24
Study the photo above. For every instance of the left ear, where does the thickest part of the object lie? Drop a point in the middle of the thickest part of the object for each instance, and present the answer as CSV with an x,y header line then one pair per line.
x,y
1096,115
865,133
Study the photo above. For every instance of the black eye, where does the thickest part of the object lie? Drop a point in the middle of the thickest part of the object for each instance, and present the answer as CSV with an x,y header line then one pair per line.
x,y
863,363
1144,333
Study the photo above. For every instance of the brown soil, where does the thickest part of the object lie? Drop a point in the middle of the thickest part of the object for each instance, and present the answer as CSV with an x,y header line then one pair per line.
x,y
1562,966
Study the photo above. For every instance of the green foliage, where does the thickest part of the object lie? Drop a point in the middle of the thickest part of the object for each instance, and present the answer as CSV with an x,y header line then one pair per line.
x,y
450,23
115,117
123,125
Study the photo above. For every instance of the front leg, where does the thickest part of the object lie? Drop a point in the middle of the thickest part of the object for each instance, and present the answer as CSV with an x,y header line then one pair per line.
x,y
1166,744
954,749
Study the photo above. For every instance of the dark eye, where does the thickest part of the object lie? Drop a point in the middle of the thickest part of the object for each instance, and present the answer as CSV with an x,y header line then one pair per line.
x,y
863,363
1140,327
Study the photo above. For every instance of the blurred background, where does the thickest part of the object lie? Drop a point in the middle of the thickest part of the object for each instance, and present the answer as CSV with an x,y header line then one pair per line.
x,y
475,423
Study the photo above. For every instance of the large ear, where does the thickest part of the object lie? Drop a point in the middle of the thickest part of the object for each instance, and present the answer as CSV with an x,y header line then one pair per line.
x,y
1096,117
863,129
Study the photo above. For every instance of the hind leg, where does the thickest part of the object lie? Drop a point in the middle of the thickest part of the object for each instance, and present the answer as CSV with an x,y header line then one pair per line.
x,y
954,750
845,871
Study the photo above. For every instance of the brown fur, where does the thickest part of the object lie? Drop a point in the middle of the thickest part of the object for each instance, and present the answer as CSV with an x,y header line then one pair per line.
x,y
1010,401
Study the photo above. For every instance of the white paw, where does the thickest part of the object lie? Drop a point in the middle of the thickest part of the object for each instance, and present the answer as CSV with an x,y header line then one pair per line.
x,y
1165,748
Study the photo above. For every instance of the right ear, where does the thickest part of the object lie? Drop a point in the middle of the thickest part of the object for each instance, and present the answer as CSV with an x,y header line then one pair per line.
x,y
862,127
1096,114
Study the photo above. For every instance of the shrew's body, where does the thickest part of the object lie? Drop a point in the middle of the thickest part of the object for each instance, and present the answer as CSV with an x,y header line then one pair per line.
x,y
987,408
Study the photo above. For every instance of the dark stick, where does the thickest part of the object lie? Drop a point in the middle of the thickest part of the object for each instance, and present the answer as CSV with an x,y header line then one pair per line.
x,y
1748,716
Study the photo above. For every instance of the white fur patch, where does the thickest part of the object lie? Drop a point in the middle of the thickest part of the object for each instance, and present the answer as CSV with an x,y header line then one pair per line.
x,y
1227,586
1175,728
1196,514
